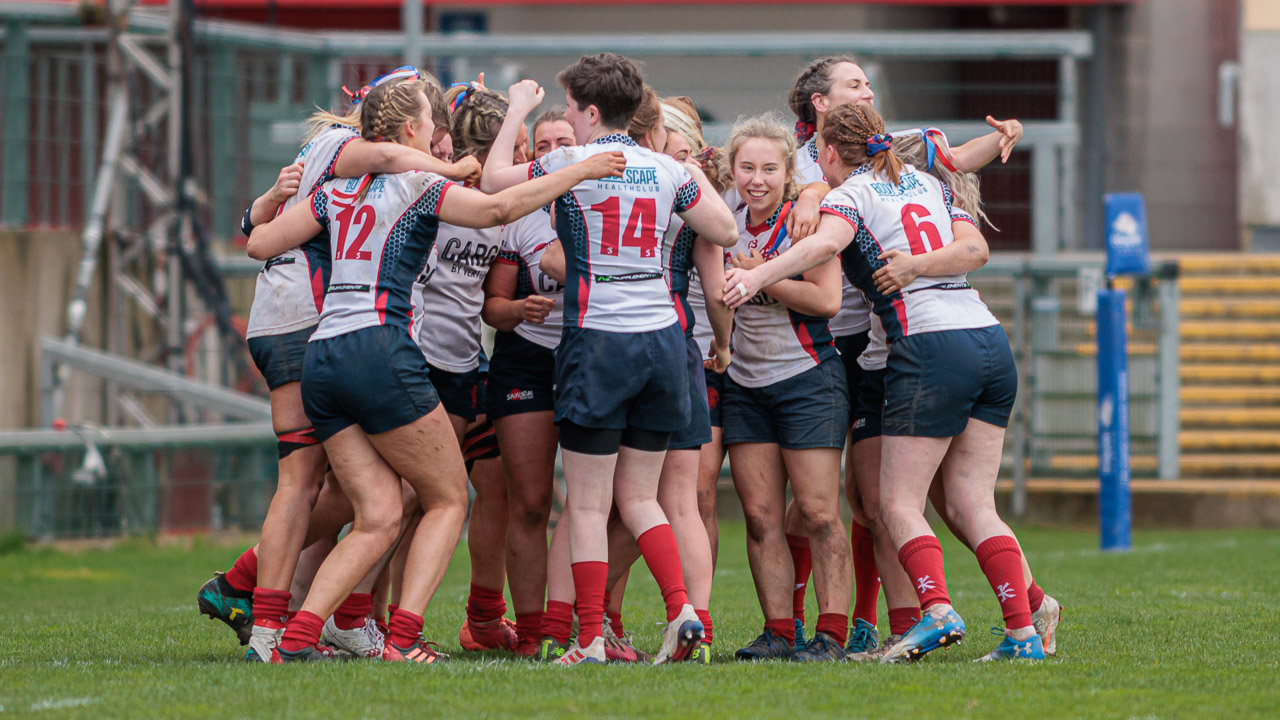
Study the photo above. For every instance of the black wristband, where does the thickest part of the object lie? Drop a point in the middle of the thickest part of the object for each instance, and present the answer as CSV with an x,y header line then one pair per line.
x,y
246,225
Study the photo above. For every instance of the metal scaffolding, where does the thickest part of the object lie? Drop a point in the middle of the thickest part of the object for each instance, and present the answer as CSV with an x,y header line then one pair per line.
x,y
153,273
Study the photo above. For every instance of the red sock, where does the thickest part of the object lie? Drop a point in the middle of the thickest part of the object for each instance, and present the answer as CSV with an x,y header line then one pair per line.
x,y
783,628
391,610
292,614
243,575
662,555
1035,596
484,605
557,622
901,619
589,579
303,631
352,612
921,557
802,559
271,607
866,576
529,626
836,625
707,626
1001,561
406,628
615,618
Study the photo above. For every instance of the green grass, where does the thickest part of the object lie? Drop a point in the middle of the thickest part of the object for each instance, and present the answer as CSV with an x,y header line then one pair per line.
x,y
1184,626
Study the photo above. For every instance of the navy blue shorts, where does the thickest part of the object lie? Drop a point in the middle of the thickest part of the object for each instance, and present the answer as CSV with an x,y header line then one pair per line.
x,y
375,377
936,381
715,393
868,405
458,392
608,380
809,410
521,377
850,347
279,357
698,432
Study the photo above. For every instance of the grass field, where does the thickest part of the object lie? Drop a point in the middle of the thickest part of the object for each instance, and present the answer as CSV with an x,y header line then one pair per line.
x,y
1186,625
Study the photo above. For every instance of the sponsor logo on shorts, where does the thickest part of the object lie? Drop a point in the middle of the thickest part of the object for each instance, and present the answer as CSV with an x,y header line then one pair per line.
x,y
515,395
713,398
859,423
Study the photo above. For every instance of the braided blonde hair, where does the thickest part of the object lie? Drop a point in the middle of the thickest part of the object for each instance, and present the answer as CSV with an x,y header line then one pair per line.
x,y
476,121
388,107
680,116
322,120
848,128
966,190
767,127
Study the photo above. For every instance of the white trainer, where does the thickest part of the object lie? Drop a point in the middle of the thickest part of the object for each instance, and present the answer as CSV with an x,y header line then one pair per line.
x,y
1046,621
592,654
262,642
682,636
365,641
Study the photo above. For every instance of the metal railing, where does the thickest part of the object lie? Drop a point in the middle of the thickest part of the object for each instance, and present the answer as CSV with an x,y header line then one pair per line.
x,y
254,83
1047,306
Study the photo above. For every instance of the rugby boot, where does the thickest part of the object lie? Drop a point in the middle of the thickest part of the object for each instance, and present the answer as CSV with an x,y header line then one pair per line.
x,y
681,636
220,601
1009,649
940,626
767,647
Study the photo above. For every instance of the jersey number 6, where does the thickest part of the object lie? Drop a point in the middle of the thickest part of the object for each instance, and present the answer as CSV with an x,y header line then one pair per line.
x,y
641,229
918,230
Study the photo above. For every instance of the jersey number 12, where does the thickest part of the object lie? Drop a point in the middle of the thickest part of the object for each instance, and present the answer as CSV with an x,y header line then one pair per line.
x,y
348,216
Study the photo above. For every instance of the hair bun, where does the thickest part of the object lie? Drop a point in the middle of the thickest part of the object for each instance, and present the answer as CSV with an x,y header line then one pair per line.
x,y
878,143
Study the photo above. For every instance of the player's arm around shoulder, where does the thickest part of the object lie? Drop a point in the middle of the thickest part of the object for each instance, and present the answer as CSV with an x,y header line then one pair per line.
x,y
701,207
293,227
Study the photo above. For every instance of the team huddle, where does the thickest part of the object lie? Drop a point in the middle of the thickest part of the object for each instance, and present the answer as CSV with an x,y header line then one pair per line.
x,y
789,299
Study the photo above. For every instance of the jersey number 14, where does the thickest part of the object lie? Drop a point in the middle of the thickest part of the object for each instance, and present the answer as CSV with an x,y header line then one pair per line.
x,y
641,230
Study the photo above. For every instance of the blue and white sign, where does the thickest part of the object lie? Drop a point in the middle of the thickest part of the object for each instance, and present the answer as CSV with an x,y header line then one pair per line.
x,y
1128,252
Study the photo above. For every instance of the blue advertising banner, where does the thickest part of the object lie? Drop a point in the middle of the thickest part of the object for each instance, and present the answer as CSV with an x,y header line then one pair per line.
x,y
1128,252
1114,503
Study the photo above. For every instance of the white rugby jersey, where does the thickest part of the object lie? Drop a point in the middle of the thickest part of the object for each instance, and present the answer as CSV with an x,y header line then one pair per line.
x,y
448,296
290,288
612,231
677,257
876,354
523,243
770,341
702,333
855,313
913,216
379,246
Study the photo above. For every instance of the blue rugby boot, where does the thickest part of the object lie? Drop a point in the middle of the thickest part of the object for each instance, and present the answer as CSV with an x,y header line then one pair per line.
x,y
940,626
767,647
862,637
1009,649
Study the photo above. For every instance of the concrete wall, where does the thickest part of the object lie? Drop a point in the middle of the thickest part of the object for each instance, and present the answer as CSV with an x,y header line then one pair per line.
x,y
1259,115
37,275
1164,137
